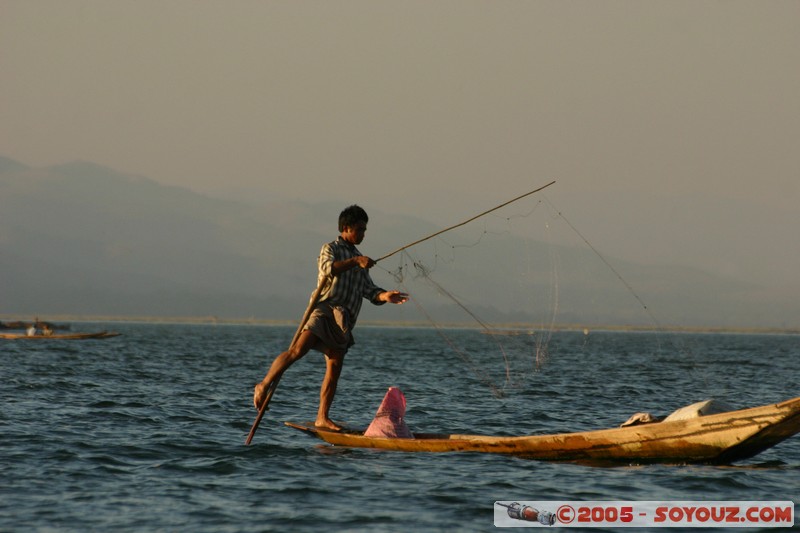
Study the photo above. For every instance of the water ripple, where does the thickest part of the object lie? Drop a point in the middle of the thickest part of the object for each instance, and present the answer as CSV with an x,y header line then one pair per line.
x,y
145,432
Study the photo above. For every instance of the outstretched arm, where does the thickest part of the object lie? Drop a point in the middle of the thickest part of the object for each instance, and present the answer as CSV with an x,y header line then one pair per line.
x,y
394,297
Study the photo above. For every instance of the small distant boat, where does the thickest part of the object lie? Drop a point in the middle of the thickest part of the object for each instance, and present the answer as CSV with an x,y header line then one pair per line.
x,y
713,439
61,336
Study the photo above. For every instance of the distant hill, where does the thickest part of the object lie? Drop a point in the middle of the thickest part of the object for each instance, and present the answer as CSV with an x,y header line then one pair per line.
x,y
83,239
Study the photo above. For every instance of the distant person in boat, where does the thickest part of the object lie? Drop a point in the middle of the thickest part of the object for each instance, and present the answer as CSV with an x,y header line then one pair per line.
x,y
34,328
343,271
47,330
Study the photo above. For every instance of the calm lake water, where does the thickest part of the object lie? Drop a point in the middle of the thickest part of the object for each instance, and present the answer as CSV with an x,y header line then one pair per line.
x,y
145,432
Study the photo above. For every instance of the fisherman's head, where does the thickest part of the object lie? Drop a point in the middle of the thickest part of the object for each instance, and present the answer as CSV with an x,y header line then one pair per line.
x,y
351,216
353,224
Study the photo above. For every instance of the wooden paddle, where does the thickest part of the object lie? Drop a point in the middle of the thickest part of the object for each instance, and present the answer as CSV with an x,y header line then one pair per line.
x,y
264,408
272,386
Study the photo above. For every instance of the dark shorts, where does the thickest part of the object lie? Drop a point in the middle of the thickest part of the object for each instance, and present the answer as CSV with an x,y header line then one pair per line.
x,y
331,325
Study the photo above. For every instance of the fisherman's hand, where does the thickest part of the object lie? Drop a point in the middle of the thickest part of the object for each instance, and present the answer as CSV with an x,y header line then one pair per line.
x,y
395,297
364,262
359,261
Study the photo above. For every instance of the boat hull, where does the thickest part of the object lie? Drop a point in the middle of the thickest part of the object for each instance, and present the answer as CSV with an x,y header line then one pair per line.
x,y
720,438
66,336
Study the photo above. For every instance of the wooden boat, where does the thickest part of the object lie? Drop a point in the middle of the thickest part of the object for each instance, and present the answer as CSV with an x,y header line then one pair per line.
x,y
63,336
716,439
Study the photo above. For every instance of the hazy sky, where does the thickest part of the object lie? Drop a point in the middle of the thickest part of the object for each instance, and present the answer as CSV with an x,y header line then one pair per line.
x,y
432,108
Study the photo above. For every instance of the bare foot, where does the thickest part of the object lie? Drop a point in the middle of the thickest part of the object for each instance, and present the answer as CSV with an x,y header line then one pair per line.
x,y
328,424
259,393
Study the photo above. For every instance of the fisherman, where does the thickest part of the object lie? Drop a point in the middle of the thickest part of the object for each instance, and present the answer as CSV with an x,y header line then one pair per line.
x,y
344,280
34,329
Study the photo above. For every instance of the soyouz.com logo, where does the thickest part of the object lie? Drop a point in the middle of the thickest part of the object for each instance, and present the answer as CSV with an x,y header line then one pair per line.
x,y
644,513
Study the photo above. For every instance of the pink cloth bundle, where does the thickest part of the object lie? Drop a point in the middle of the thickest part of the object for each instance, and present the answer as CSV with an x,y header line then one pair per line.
x,y
389,421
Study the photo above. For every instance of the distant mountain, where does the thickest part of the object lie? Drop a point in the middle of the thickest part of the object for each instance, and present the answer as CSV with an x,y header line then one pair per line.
x,y
83,239
8,166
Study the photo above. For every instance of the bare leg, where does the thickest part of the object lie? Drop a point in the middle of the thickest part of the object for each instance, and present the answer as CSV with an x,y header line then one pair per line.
x,y
281,363
334,361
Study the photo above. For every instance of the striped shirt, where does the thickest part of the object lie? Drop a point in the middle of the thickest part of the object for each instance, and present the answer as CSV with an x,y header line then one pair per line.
x,y
349,287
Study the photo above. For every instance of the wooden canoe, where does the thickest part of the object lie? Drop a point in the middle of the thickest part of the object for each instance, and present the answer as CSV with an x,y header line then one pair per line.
x,y
716,439
67,336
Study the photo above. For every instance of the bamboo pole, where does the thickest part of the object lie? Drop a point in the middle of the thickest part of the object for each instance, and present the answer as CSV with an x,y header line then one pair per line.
x,y
465,222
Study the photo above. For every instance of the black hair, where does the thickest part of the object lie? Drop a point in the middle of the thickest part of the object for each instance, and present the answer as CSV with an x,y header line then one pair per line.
x,y
351,216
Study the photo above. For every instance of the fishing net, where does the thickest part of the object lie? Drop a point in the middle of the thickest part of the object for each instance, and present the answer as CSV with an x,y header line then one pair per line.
x,y
489,277
389,421
497,288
